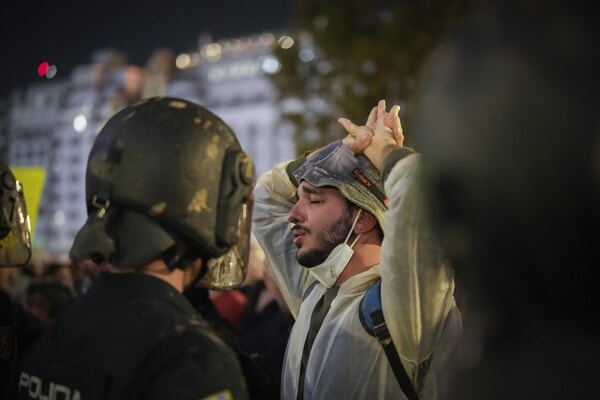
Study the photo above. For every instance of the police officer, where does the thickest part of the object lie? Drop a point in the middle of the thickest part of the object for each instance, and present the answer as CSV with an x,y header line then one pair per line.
x,y
17,328
507,120
168,193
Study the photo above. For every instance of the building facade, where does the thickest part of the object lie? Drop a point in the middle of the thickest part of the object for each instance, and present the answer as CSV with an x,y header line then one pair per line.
x,y
54,124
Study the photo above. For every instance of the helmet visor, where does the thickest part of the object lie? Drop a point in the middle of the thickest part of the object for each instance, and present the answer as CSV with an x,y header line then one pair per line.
x,y
15,237
229,270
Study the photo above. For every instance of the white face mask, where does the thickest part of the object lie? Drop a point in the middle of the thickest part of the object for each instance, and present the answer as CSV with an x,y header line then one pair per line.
x,y
330,270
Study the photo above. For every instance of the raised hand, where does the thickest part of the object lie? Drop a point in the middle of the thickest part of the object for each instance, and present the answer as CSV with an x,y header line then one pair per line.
x,y
359,137
378,137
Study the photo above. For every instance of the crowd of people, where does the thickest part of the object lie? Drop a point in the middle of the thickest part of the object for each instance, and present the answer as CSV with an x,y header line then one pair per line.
x,y
332,276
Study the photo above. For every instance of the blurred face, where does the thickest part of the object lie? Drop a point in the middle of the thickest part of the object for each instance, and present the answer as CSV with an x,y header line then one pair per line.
x,y
256,265
36,305
321,220
6,277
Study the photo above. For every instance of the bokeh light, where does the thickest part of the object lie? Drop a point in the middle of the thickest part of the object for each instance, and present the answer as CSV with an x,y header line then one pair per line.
x,y
47,70
183,61
285,42
51,73
43,68
80,123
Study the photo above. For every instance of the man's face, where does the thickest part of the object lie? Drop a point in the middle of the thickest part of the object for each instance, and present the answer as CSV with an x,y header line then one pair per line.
x,y
321,220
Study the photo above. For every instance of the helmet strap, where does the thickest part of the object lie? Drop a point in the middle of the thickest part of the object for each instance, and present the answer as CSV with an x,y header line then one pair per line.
x,y
176,257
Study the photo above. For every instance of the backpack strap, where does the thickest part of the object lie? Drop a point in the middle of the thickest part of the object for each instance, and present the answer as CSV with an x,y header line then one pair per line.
x,y
309,289
372,319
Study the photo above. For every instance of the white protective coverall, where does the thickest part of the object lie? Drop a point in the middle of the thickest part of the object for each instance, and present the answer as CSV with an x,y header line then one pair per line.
x,y
417,296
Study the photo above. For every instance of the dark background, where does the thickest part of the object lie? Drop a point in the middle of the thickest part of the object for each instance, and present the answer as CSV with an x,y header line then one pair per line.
x,y
66,33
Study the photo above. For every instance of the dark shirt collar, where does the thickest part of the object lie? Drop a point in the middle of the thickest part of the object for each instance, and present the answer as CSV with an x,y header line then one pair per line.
x,y
139,285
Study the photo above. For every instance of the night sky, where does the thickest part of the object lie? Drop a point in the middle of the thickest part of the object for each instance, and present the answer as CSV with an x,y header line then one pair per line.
x,y
66,33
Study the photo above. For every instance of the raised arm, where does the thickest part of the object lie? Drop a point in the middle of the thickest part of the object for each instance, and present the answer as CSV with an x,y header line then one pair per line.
x,y
274,196
417,283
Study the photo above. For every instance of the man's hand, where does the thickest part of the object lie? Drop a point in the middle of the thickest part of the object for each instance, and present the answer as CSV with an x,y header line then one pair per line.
x,y
359,137
378,137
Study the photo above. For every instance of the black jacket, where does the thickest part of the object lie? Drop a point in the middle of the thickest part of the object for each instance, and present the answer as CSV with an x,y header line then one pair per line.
x,y
131,336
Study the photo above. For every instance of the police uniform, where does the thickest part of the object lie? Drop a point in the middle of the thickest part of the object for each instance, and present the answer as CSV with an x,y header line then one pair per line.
x,y
132,336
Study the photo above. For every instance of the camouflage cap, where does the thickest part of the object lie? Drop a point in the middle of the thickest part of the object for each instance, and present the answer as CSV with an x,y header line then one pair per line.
x,y
353,175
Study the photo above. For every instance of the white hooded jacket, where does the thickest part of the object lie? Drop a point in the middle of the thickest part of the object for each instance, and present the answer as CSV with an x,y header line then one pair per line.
x,y
417,298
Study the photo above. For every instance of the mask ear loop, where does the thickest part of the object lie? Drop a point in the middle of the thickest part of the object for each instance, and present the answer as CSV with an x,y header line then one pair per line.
x,y
352,229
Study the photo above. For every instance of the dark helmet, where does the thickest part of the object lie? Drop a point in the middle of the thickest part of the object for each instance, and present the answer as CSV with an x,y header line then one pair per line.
x,y
166,170
507,121
15,237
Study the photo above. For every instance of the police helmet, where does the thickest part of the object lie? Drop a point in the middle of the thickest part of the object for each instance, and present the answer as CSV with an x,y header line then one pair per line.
x,y
166,170
15,237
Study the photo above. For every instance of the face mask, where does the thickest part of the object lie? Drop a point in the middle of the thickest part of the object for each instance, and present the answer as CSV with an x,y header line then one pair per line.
x,y
330,270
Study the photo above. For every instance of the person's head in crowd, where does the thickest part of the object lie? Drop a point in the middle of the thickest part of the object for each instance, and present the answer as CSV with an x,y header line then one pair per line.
x,y
271,287
256,264
61,272
46,299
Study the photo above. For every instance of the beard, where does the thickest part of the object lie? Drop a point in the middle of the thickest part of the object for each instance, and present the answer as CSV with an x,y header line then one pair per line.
x,y
327,240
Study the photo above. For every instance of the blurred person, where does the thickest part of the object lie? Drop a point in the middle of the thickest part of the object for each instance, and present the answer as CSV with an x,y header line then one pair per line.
x,y
266,321
8,276
324,223
17,328
34,271
14,281
61,272
46,299
85,273
169,194
229,304
256,264
506,117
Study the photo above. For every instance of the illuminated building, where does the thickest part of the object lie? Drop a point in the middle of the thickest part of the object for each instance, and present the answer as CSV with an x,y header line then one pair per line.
x,y
53,124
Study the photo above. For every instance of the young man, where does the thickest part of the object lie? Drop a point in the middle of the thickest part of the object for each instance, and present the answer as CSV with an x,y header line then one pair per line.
x,y
168,191
329,237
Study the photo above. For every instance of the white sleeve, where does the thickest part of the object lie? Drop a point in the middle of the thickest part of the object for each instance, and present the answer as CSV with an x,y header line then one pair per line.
x,y
417,283
274,196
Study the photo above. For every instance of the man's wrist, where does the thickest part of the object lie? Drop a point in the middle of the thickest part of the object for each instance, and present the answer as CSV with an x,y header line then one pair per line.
x,y
377,153
392,158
